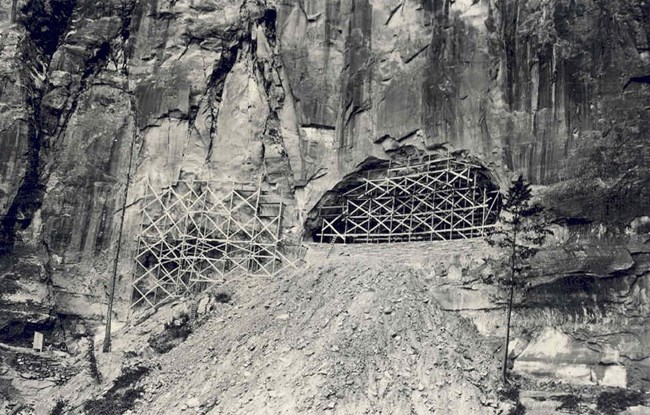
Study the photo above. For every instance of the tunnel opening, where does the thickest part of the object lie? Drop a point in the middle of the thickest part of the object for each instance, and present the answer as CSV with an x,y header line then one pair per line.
x,y
425,198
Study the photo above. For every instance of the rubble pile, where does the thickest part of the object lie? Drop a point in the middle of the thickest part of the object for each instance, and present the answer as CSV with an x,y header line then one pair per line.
x,y
340,338
36,375
39,366
32,366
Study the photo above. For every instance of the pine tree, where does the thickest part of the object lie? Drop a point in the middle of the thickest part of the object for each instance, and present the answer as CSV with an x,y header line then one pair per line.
x,y
520,233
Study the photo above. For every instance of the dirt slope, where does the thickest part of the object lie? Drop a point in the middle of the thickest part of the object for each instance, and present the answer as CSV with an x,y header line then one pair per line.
x,y
350,338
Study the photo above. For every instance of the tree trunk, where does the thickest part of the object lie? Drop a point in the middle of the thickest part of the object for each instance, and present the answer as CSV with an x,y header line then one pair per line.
x,y
111,295
504,369
507,342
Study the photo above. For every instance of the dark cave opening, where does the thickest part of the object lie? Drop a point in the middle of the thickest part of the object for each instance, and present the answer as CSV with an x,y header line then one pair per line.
x,y
58,329
424,198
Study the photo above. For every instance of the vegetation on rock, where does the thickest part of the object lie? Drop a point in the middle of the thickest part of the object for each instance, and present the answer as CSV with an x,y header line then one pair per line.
x,y
617,401
520,233
121,396
175,332
92,361
59,407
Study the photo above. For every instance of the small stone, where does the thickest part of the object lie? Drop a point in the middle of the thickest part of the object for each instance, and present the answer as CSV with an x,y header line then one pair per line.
x,y
609,357
193,403
202,307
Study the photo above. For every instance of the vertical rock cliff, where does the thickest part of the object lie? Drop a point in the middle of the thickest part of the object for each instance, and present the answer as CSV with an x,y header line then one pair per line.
x,y
294,95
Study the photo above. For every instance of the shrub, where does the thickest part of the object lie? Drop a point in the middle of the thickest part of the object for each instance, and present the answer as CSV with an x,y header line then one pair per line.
x,y
58,408
222,297
92,361
511,393
615,402
568,402
175,332
129,376
121,396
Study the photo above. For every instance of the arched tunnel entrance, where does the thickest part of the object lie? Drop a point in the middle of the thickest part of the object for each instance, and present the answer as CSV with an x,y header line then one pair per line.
x,y
424,199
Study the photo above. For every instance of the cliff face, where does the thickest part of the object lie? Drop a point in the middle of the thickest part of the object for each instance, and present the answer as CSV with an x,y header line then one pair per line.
x,y
296,94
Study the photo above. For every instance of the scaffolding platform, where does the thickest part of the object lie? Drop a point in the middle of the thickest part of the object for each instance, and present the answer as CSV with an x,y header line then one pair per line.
x,y
194,235
425,199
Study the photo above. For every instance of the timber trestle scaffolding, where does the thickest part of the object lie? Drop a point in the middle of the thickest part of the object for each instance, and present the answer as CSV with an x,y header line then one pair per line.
x,y
194,236
422,199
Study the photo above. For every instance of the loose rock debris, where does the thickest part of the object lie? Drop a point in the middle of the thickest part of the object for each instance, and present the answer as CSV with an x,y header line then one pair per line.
x,y
339,338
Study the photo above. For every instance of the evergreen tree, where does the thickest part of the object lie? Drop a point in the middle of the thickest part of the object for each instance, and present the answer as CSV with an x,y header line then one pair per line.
x,y
520,233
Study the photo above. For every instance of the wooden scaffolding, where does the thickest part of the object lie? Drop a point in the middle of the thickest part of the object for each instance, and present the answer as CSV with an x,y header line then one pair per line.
x,y
423,199
193,237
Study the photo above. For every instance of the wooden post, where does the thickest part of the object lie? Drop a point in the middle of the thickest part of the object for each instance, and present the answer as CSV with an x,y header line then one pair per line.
x,y
368,220
226,246
451,215
392,211
433,204
411,218
473,186
346,213
322,228
165,211
253,244
184,223
200,231
484,210
278,235
38,341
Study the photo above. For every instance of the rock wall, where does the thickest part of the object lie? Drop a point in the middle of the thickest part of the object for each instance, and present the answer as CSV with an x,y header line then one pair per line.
x,y
584,316
294,95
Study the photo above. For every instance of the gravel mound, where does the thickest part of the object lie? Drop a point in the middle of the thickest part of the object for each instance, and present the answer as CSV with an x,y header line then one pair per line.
x,y
341,337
